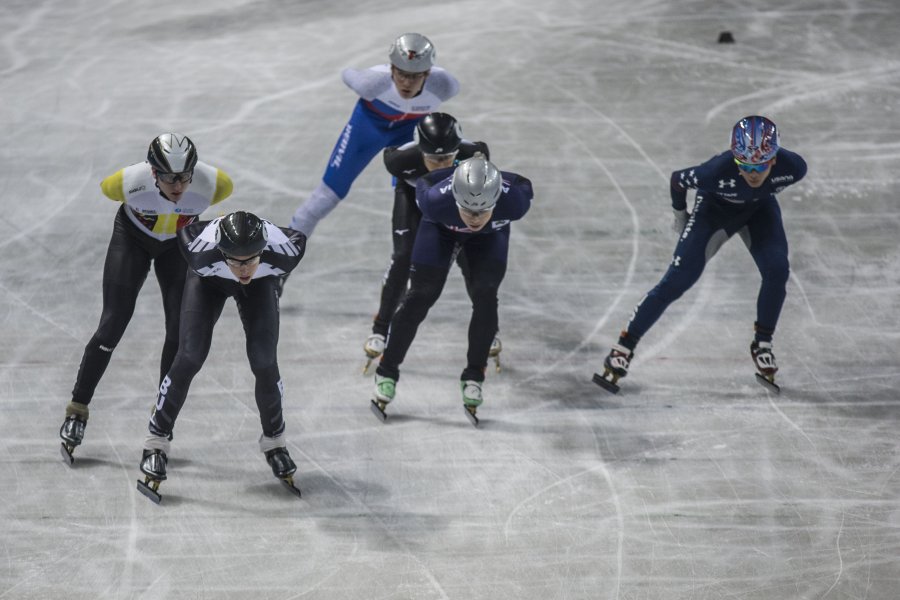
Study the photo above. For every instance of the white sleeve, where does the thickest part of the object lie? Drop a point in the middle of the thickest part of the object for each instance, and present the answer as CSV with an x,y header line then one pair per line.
x,y
368,83
442,84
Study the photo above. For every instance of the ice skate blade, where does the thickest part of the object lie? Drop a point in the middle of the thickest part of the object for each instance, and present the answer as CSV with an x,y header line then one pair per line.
x,y
148,488
470,413
606,384
378,410
66,454
288,482
769,385
365,369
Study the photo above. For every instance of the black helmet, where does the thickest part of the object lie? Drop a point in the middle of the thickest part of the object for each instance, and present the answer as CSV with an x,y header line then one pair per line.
x,y
438,133
241,234
172,153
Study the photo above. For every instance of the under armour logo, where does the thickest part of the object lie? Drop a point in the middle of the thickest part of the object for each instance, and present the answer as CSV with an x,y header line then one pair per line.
x,y
676,262
727,183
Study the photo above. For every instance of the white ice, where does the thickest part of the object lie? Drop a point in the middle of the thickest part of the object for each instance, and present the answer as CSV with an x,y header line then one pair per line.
x,y
693,483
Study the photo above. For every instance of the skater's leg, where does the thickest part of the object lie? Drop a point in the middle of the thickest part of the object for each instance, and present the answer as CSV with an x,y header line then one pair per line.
x,y
486,258
695,247
426,285
404,225
124,273
201,306
171,270
432,253
766,239
259,315
360,140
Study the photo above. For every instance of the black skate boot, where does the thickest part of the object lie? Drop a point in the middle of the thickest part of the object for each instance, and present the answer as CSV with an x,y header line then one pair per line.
x,y
766,367
615,366
283,467
72,430
153,466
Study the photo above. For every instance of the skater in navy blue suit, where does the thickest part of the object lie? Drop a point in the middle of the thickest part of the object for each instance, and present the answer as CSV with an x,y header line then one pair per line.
x,y
735,194
470,207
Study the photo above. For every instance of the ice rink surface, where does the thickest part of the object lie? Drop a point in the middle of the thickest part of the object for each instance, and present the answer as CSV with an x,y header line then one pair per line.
x,y
693,483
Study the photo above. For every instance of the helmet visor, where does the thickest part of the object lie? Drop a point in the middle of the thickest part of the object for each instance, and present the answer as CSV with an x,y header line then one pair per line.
x,y
752,168
184,177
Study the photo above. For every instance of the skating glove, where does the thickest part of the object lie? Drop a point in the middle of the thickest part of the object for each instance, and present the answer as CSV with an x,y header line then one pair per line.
x,y
681,219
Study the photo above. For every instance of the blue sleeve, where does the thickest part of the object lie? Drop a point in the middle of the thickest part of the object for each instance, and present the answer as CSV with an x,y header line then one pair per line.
x,y
791,163
702,177
435,199
515,200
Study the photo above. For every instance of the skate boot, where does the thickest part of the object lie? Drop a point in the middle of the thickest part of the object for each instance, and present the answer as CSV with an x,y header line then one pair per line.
x,y
385,388
472,398
276,453
766,368
494,352
615,366
72,430
373,348
153,466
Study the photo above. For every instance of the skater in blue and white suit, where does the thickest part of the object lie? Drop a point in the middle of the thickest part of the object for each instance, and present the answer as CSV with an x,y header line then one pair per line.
x,y
469,208
735,194
392,99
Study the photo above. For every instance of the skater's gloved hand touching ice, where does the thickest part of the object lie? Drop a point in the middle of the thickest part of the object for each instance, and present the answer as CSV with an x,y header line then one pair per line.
x,y
681,219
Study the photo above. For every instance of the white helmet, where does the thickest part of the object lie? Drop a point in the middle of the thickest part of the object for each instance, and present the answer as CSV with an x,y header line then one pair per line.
x,y
476,184
412,52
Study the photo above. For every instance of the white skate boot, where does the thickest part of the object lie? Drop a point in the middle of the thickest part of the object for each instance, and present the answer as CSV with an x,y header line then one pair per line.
x,y
472,398
385,389
615,366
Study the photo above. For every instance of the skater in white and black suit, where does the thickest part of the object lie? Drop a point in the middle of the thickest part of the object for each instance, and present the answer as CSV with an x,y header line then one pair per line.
x,y
735,194
243,257
160,196
469,208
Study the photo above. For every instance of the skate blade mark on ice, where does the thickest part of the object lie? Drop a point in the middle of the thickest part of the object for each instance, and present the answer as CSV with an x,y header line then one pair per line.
x,y
149,488
608,381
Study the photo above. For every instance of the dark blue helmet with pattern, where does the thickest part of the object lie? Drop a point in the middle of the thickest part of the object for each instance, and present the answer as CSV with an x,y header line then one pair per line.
x,y
754,140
